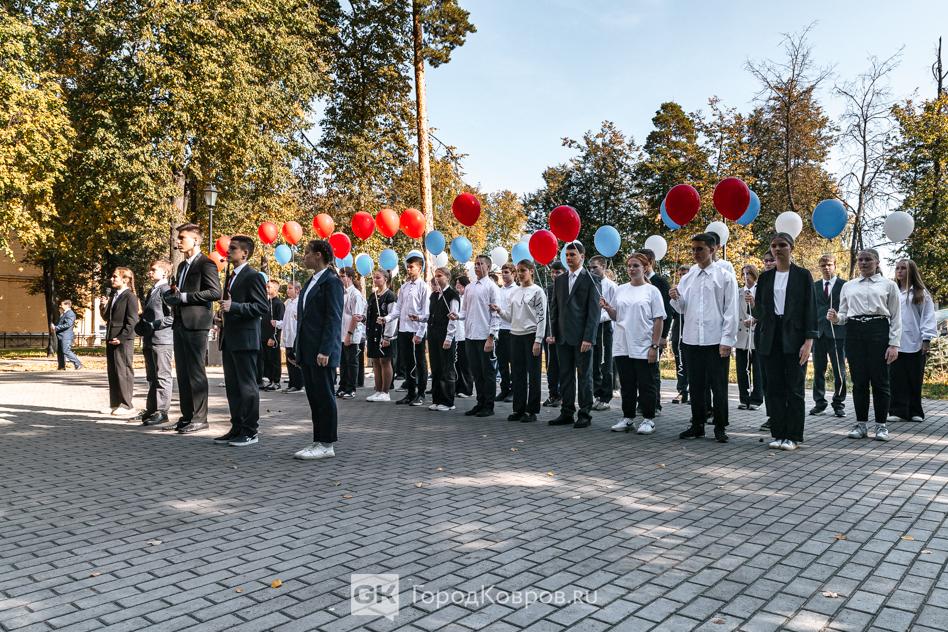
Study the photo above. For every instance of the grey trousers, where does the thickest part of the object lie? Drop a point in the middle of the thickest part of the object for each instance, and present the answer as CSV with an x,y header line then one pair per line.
x,y
158,374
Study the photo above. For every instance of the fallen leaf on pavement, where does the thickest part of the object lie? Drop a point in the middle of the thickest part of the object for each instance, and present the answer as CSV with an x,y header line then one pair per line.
x,y
419,484
276,583
337,483
908,538
926,552
347,496
154,542
551,474
661,465
718,621
94,574
840,536
830,594
238,589
439,469
514,449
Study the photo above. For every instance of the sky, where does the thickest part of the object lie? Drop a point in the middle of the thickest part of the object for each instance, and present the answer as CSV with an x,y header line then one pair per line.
x,y
538,70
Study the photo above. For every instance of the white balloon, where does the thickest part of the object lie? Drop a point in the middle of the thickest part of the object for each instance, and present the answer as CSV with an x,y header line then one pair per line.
x,y
790,223
658,245
441,259
469,268
899,225
499,256
721,229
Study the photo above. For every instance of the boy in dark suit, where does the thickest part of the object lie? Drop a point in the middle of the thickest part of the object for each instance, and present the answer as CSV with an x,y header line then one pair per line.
x,y
157,346
64,337
319,346
120,312
244,304
831,341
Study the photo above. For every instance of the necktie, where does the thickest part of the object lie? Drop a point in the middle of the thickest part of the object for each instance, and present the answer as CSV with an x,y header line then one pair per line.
x,y
826,288
183,275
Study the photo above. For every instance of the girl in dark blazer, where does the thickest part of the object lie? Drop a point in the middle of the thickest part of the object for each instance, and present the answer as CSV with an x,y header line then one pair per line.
x,y
785,309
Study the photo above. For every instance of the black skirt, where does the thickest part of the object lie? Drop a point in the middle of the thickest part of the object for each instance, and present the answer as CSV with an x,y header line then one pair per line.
x,y
373,331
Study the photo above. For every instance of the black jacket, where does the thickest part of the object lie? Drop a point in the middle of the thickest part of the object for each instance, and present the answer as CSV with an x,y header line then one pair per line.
x,y
275,311
203,287
661,283
799,314
823,305
121,315
575,315
320,321
156,320
240,329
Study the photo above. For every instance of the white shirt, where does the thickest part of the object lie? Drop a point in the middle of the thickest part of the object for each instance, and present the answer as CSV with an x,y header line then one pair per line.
x,y
288,325
918,322
637,307
708,305
234,274
505,292
454,307
780,291
872,296
353,304
184,275
459,330
745,334
412,300
310,286
479,321
609,289
572,278
526,312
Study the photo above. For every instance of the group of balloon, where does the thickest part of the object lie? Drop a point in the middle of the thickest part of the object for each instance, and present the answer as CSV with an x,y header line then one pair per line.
x,y
732,199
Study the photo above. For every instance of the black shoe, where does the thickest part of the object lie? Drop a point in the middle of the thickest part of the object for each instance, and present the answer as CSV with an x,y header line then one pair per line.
x,y
193,427
529,417
742,406
508,399
181,423
583,422
562,420
550,402
81,366
418,401
224,439
816,410
719,435
839,412
503,395
272,387
485,413
765,425
753,406
142,415
155,419
515,417
694,432
473,411
239,442
405,400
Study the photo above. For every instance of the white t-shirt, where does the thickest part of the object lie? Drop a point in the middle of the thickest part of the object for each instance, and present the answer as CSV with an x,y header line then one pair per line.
x,y
780,291
637,307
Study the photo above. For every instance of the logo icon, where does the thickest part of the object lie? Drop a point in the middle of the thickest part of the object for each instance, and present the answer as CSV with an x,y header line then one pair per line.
x,y
374,595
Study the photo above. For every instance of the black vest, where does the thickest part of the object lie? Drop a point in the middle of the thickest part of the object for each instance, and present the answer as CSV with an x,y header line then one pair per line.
x,y
438,311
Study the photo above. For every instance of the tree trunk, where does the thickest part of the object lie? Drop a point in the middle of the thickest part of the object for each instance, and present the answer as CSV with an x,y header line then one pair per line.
x,y
421,116
179,204
49,294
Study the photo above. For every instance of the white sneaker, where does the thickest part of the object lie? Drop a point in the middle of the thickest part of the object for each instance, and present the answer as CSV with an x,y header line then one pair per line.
x,y
299,455
442,408
623,425
462,396
788,445
600,405
881,432
646,427
434,407
918,419
317,451
108,410
859,431
124,413
374,397
383,397
893,419
776,444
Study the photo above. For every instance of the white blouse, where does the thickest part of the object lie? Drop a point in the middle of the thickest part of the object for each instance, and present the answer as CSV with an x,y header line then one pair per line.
x,y
354,304
918,322
526,311
872,296
780,291
637,307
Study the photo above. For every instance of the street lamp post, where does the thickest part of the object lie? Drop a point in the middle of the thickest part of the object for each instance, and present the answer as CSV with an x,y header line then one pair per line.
x,y
210,200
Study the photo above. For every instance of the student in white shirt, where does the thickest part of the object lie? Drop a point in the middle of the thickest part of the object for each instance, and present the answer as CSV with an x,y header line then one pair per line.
x,y
918,330
464,387
707,300
602,350
526,312
481,327
288,328
639,314
870,307
749,388
504,346
411,310
353,331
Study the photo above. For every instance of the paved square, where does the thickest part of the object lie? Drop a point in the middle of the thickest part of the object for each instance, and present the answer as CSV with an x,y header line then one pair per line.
x,y
109,526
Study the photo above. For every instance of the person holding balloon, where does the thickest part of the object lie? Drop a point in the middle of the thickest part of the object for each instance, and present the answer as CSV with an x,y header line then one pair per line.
x,y
785,309
870,306
270,363
918,330
353,329
749,388
464,386
379,336
707,300
481,327
411,311
602,350
661,284
504,346
287,327
552,362
674,334
442,342
830,346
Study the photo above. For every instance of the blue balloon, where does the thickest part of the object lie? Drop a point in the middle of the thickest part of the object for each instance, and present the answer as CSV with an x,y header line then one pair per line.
x,y
607,241
364,265
461,249
388,260
434,242
830,218
415,253
753,210
344,263
521,252
668,220
283,254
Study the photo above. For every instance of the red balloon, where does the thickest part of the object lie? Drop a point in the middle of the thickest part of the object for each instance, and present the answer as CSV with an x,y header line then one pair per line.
x,y
564,222
341,245
467,208
363,224
292,232
412,223
217,259
267,232
543,246
323,225
731,198
682,203
221,245
387,222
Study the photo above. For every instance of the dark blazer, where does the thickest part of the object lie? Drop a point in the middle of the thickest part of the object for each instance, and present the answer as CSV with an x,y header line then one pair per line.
x,y
240,329
823,305
124,316
65,324
320,321
275,311
203,287
156,321
575,315
799,314
661,283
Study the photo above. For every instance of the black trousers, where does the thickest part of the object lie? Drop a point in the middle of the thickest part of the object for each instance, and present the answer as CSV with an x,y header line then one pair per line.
x,y
293,372
414,364
552,370
360,365
656,370
349,368
866,344
444,376
680,370
322,403
465,380
526,374
121,374
482,368
243,396
785,383
190,351
707,370
835,351
906,375
749,394
575,375
159,376
502,352
602,363
271,368
637,386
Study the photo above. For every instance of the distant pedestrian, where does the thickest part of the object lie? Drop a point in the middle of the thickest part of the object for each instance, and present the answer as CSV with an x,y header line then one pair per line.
x,y
64,336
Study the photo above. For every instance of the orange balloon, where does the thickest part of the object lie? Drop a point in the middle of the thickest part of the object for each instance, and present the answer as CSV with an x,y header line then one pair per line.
x,y
218,260
292,232
323,225
387,222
